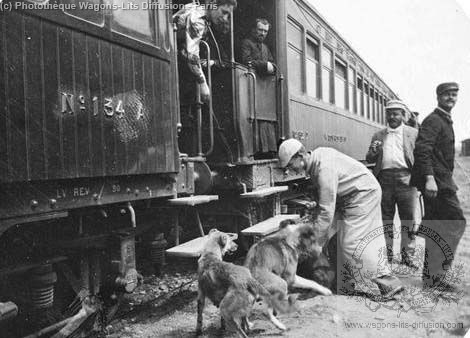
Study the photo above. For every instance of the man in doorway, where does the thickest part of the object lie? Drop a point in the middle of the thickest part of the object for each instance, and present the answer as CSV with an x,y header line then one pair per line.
x,y
341,180
391,150
253,49
193,23
432,174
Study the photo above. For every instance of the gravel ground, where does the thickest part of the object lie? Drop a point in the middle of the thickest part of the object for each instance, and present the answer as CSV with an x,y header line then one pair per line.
x,y
166,306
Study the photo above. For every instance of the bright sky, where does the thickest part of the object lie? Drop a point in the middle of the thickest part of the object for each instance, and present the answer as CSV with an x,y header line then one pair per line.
x,y
413,45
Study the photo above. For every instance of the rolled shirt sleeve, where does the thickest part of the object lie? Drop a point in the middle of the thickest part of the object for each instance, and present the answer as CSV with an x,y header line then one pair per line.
x,y
327,183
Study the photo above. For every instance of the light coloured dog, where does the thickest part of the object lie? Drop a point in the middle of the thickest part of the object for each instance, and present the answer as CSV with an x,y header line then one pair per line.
x,y
273,261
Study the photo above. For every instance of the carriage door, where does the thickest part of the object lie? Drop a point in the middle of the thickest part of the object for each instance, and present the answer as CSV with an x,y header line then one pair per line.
x,y
256,96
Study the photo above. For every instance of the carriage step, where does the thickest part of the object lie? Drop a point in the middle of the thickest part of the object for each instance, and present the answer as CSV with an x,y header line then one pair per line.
x,y
268,226
192,201
265,192
193,248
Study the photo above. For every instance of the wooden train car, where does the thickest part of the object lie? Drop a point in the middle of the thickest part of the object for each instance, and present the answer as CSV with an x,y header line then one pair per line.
x,y
88,131
91,157
465,148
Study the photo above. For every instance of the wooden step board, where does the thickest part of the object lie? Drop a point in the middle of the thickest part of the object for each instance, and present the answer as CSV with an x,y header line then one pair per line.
x,y
192,201
268,226
265,192
193,248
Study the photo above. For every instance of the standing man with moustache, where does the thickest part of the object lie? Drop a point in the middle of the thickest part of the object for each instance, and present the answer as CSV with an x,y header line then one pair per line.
x,y
254,50
391,150
432,174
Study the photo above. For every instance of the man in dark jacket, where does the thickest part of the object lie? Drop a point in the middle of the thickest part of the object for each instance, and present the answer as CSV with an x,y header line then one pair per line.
x,y
443,221
254,50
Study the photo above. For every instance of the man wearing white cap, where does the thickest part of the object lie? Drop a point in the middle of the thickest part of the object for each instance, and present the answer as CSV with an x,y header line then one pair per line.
x,y
343,181
392,151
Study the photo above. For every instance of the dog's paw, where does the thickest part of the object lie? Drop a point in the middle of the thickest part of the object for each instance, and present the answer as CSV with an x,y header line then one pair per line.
x,y
282,327
326,292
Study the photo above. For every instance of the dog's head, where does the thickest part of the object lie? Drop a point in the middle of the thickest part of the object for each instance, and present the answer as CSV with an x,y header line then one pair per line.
x,y
224,241
304,235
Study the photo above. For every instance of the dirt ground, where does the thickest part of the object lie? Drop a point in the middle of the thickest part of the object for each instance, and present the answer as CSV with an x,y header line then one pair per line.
x,y
166,306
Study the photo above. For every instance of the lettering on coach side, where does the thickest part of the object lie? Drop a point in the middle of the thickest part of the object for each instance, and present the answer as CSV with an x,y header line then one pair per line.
x,y
81,191
115,105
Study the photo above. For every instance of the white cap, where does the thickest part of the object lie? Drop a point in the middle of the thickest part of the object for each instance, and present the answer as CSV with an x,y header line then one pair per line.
x,y
287,150
397,104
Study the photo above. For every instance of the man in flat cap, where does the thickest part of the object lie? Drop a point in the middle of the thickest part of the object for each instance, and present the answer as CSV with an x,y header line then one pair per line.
x,y
432,174
392,151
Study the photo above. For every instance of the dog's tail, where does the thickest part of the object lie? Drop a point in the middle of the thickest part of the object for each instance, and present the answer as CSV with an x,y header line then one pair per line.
x,y
277,300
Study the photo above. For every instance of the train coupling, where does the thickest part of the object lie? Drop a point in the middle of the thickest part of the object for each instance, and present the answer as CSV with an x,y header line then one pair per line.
x,y
124,262
8,310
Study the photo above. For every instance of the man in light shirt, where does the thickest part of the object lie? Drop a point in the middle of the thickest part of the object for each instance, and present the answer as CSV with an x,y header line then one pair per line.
x,y
344,182
392,151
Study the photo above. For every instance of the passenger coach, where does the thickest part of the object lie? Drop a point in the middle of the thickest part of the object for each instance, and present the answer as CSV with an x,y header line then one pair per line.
x,y
98,165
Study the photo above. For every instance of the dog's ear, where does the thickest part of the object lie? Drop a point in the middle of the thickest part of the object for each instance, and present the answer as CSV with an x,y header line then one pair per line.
x,y
308,232
285,223
213,230
223,239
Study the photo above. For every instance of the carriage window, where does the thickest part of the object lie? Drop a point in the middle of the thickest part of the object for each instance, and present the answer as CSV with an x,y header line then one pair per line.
x,y
371,104
327,56
359,92
352,94
377,108
312,68
381,105
295,57
136,21
88,10
340,84
366,100
162,17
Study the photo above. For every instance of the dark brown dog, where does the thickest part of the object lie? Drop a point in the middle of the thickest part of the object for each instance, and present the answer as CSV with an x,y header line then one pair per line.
x,y
230,287
273,261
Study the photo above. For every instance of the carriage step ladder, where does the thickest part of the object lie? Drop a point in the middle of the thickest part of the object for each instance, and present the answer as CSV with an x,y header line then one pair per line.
x,y
270,225
192,248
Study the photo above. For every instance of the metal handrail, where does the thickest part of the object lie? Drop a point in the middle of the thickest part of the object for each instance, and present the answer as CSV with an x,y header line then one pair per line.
x,y
253,115
211,110
281,106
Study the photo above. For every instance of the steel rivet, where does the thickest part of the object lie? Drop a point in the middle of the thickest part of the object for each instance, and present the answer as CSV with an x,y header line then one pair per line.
x,y
52,202
34,203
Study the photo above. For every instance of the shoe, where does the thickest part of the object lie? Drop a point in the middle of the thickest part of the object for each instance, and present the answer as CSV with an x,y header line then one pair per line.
x,y
392,292
389,286
409,263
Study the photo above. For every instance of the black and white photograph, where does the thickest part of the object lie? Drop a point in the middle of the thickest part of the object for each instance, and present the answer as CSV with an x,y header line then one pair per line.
x,y
234,168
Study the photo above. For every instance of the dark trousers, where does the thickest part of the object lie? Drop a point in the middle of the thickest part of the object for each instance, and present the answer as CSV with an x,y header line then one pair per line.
x,y
442,227
397,193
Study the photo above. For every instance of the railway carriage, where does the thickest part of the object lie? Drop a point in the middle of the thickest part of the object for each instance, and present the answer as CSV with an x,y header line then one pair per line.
x,y
97,160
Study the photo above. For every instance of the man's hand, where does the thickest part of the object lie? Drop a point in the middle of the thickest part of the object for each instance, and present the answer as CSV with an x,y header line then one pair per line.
x,y
269,68
205,92
204,63
376,145
430,189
